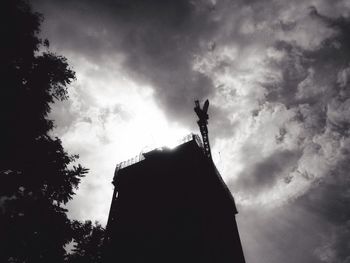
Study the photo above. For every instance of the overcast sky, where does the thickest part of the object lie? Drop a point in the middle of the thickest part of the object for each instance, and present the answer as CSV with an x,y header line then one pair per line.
x,y
277,76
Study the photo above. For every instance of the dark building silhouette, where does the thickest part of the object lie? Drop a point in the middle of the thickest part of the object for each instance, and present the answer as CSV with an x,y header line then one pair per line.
x,y
171,205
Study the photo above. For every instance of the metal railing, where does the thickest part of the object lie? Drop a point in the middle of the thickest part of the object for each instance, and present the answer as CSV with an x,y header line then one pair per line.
x,y
140,156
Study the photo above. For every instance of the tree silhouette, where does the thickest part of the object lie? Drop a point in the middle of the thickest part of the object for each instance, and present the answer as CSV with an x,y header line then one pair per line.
x,y
88,242
37,175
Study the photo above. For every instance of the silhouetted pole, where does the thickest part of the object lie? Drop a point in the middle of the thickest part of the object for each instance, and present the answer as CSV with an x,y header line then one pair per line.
x,y
202,123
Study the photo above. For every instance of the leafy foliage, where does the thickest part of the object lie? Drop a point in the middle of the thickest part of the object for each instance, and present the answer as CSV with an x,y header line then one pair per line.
x,y
36,173
88,243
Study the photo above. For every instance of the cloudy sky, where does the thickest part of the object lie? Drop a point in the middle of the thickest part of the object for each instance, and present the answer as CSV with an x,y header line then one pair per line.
x,y
277,75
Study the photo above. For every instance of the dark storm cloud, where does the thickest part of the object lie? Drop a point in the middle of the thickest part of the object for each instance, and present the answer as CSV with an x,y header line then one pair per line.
x,y
264,173
157,39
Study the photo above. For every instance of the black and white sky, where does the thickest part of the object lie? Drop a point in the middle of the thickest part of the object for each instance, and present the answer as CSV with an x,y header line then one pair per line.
x,y
277,75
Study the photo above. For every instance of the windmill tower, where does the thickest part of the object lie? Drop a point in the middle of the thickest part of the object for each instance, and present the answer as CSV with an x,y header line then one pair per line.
x,y
171,205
